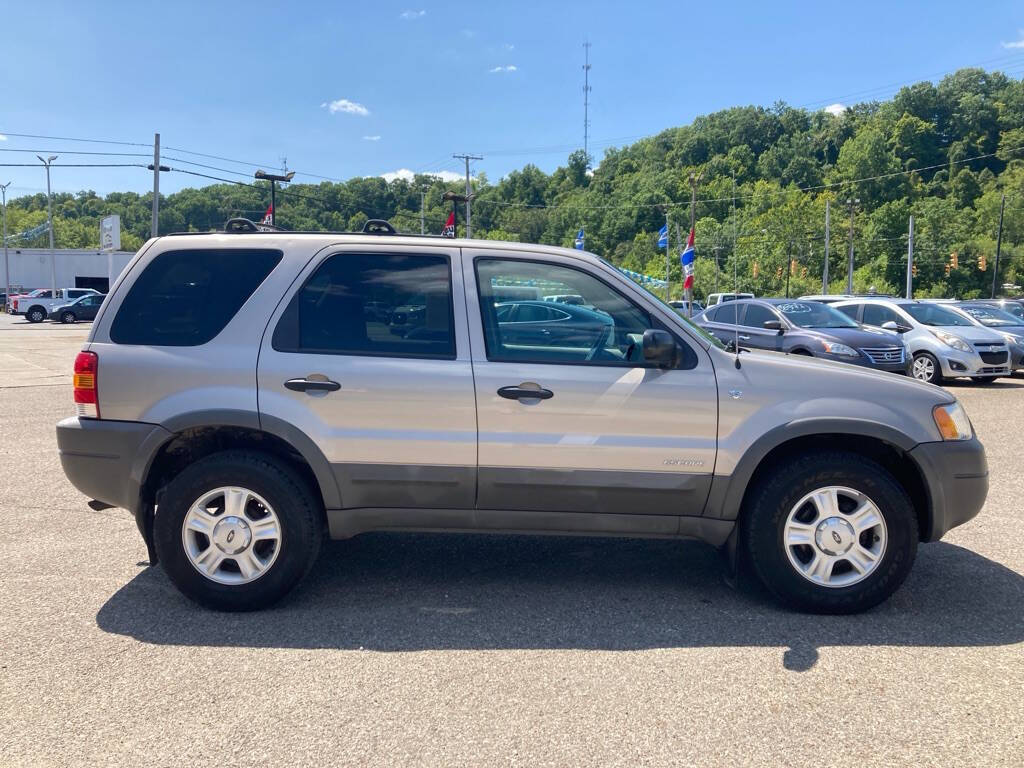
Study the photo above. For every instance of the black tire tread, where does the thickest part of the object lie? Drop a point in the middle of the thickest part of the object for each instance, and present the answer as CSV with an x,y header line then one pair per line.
x,y
779,489
301,546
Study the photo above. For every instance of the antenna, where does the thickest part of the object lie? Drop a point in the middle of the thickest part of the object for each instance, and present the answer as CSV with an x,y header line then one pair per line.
x,y
586,101
735,280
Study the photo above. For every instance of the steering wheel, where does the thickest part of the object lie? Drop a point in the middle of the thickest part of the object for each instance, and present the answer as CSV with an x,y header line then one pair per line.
x,y
603,337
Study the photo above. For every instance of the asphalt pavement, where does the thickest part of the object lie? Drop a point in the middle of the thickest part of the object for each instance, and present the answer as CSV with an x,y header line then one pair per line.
x,y
416,649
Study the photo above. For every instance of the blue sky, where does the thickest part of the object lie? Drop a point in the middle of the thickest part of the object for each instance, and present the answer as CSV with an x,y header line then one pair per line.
x,y
357,89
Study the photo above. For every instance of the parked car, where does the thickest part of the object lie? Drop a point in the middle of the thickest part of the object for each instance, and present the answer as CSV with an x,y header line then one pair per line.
x,y
805,328
83,308
682,306
538,323
233,395
1010,327
942,342
718,298
1014,306
567,298
38,292
39,305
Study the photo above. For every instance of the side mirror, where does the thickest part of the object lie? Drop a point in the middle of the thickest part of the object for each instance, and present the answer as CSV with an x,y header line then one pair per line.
x,y
659,348
890,325
774,325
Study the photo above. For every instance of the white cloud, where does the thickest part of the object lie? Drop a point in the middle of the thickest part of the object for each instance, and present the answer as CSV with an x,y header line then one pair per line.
x,y
508,46
406,175
344,105
371,138
2,137
1016,43
509,68
836,109
411,15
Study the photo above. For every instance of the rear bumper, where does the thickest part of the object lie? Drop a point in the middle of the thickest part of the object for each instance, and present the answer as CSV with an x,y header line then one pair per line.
x,y
107,460
956,474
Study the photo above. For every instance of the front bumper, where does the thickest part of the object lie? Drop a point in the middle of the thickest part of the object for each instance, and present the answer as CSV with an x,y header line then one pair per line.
x,y
956,476
955,363
107,460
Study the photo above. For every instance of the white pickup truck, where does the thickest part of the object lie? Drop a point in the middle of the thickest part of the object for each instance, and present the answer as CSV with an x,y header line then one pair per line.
x,y
37,305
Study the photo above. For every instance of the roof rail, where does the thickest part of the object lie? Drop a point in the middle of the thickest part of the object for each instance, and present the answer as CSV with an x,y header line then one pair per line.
x,y
239,225
378,227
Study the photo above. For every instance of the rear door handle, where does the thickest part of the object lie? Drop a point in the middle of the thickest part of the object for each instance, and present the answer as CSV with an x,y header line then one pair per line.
x,y
312,385
519,393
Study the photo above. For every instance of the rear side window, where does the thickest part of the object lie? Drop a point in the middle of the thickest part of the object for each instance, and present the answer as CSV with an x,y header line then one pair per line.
x,y
850,310
185,298
378,305
876,314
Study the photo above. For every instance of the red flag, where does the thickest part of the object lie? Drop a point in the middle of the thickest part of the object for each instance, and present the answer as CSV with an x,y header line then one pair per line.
x,y
449,226
268,217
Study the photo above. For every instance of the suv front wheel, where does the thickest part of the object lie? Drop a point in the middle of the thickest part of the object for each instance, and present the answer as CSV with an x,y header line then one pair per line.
x,y
236,531
830,533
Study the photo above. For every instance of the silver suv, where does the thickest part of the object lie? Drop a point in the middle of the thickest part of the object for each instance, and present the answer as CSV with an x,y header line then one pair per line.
x,y
943,342
243,395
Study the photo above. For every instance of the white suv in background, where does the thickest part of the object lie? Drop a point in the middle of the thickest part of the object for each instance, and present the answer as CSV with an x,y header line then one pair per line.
x,y
944,343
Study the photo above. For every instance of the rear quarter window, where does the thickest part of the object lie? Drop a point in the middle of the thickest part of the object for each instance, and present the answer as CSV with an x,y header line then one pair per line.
x,y
185,298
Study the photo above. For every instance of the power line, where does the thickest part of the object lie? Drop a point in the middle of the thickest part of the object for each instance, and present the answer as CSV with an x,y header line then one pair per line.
x,y
69,138
79,152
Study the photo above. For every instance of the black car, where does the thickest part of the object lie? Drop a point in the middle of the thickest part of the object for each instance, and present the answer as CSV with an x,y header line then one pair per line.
x,y
84,308
805,328
549,323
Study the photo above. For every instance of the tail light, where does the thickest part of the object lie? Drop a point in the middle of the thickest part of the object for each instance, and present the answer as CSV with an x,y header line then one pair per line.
x,y
87,405
14,305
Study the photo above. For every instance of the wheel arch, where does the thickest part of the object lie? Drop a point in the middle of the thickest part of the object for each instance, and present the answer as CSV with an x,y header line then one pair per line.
x,y
192,436
879,442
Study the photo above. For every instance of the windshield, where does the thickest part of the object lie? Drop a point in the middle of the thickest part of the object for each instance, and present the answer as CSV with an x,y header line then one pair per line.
x,y
934,314
992,317
811,314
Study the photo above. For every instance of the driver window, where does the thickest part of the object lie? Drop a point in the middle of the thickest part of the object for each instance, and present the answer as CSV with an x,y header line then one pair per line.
x,y
526,321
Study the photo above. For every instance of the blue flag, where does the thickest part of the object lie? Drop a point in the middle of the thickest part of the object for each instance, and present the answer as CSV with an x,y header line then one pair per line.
x,y
663,237
579,240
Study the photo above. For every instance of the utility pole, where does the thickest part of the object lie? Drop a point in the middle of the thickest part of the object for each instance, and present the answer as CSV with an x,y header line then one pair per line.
x,y
273,178
999,244
155,226
910,259
586,102
716,249
423,204
7,266
668,256
852,202
469,191
789,266
49,224
694,181
824,271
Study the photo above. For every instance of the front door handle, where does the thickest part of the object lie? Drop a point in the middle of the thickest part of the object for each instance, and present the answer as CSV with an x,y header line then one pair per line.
x,y
312,385
745,338
521,393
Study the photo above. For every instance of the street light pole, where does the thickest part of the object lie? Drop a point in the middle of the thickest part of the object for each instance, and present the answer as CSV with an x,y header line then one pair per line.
x,y
273,179
49,225
852,202
7,266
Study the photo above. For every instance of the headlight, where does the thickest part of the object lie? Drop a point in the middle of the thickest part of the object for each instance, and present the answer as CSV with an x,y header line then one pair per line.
x,y
1011,338
954,341
835,348
952,422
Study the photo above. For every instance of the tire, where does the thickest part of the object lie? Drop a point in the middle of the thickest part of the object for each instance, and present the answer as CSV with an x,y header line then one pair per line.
x,y
68,317
803,352
35,315
298,526
926,368
770,509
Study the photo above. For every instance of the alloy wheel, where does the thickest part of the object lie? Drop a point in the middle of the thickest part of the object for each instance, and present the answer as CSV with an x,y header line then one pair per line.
x,y
835,536
231,535
924,368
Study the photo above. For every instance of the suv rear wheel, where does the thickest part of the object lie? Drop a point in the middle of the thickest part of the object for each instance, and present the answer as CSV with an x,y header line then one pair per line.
x,y
830,533
236,531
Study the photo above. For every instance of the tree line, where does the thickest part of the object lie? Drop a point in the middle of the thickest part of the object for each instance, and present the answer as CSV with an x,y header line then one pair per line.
x,y
946,153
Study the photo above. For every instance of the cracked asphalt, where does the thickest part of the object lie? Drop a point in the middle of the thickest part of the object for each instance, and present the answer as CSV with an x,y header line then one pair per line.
x,y
424,649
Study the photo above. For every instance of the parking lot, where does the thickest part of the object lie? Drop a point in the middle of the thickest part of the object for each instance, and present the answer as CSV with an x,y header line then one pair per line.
x,y
456,650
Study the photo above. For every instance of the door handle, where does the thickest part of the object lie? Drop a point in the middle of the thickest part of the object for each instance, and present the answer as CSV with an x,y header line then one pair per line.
x,y
519,393
745,338
312,385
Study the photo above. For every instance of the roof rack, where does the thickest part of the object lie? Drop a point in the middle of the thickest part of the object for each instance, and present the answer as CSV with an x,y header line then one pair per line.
x,y
240,225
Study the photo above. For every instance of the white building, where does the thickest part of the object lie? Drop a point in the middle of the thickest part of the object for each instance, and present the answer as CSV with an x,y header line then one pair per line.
x,y
30,268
